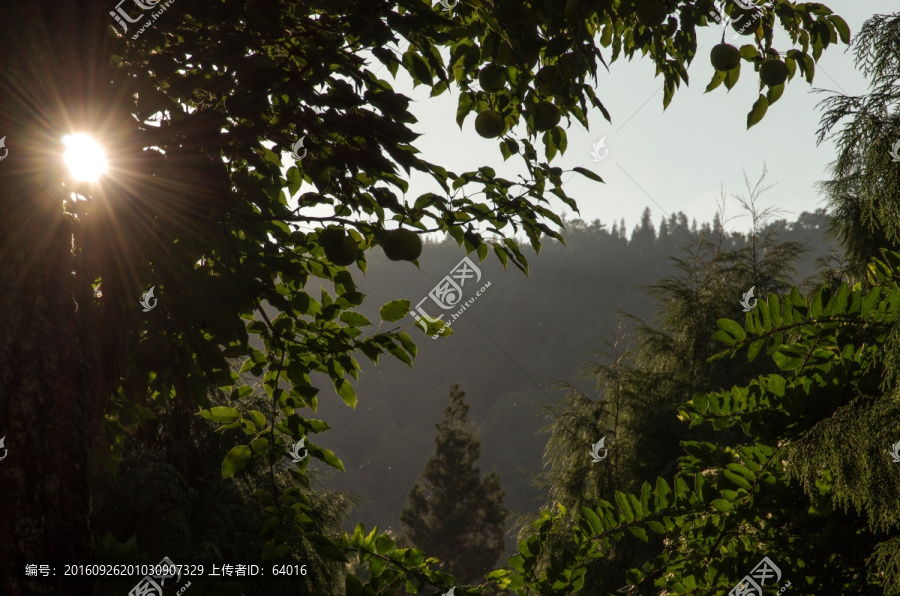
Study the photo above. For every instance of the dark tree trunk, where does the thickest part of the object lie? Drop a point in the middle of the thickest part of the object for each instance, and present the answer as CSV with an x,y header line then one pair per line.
x,y
52,386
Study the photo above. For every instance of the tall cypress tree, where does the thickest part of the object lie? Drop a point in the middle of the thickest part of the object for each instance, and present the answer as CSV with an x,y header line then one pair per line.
x,y
456,514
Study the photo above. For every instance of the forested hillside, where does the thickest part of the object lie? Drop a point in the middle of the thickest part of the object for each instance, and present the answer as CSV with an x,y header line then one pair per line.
x,y
510,348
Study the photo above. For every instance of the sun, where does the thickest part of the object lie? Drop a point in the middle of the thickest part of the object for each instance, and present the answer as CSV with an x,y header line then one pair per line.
x,y
84,157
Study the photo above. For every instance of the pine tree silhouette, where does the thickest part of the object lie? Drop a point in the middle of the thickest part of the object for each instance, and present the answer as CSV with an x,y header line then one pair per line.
x,y
456,514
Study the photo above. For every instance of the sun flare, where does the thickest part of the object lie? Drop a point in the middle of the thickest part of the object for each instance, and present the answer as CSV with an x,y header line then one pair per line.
x,y
84,157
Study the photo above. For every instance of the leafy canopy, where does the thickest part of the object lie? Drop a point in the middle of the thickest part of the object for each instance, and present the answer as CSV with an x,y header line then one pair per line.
x,y
221,89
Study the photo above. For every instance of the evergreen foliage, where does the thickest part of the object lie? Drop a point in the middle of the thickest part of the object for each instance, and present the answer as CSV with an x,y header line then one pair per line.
x,y
652,370
456,514
864,189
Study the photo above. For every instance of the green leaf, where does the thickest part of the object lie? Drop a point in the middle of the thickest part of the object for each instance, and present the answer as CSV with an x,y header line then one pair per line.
x,y
738,480
242,392
624,506
646,491
636,506
235,461
589,174
331,459
701,488
724,338
294,179
640,533
259,445
777,340
775,310
717,78
815,308
465,105
758,111
842,27
755,347
839,302
749,52
870,301
221,414
593,520
733,329
354,319
765,317
789,357
346,391
662,493
722,505
775,93
732,76
701,403
407,343
417,68
384,544
394,310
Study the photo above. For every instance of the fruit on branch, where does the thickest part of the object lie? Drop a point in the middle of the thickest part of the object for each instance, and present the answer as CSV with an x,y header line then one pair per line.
x,y
773,72
340,247
651,12
725,57
492,78
546,116
401,245
490,124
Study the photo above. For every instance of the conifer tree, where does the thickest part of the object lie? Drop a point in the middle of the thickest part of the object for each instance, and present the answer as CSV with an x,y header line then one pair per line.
x,y
456,514
651,369
864,189
644,235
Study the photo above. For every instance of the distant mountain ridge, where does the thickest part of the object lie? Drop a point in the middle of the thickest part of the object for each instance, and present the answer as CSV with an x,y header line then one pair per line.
x,y
508,347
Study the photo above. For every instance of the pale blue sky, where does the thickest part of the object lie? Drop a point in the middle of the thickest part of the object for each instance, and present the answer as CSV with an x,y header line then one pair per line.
x,y
675,160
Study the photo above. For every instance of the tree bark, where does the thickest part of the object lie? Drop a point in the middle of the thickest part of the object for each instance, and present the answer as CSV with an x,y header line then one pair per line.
x,y
52,386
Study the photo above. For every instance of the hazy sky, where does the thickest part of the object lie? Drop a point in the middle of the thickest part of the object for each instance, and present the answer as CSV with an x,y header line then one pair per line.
x,y
679,159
